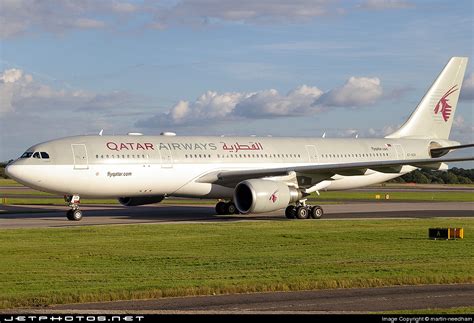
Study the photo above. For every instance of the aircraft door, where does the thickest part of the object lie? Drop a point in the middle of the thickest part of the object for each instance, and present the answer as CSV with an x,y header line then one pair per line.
x,y
400,151
166,158
79,153
312,153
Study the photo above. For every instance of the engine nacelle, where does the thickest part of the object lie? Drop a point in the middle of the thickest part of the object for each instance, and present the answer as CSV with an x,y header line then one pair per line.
x,y
140,200
260,195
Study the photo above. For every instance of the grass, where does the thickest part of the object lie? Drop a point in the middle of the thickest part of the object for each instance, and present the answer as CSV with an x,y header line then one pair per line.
x,y
53,201
39,267
324,198
8,182
25,192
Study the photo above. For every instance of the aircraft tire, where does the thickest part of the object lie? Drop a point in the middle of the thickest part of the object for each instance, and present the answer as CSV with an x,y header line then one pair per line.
x,y
76,215
230,208
221,208
302,212
290,212
69,215
316,212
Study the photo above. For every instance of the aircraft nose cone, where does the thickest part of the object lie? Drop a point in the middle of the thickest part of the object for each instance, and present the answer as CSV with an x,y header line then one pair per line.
x,y
12,171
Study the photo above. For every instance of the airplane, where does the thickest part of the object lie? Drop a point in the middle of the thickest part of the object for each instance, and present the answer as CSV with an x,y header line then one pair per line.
x,y
247,174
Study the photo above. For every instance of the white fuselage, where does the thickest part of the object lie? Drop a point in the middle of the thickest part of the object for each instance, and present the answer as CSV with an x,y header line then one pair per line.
x,y
127,166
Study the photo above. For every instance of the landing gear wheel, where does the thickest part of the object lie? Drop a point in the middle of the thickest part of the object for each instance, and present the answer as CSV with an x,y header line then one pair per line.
x,y
221,208
230,208
316,212
74,215
77,215
302,212
290,212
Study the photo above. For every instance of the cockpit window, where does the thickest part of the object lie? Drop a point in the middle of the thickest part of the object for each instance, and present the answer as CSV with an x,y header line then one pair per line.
x,y
36,154
27,154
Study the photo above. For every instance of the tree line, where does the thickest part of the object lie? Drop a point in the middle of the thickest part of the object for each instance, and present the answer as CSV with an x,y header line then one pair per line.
x,y
452,176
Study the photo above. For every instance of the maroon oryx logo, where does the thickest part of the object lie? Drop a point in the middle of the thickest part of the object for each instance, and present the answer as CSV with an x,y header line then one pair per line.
x,y
273,197
443,106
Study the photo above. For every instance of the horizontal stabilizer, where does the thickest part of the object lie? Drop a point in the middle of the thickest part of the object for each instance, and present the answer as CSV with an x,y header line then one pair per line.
x,y
443,150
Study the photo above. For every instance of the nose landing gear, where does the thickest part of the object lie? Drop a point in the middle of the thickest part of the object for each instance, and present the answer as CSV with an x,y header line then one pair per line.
x,y
74,214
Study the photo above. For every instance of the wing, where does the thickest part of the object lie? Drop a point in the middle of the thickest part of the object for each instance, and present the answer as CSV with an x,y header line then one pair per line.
x,y
324,171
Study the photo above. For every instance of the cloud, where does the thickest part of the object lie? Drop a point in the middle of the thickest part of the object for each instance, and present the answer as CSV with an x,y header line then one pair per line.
x,y
270,103
358,91
386,4
461,126
463,131
11,81
204,12
467,90
19,17
24,16
31,110
11,76
213,107
21,94
209,106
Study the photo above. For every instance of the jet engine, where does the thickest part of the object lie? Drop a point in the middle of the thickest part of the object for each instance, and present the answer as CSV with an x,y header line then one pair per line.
x,y
140,200
260,195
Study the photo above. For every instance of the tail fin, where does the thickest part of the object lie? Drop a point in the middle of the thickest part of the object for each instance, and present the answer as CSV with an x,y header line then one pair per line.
x,y
434,115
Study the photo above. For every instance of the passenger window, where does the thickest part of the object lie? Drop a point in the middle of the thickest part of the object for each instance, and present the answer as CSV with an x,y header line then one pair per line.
x,y
36,155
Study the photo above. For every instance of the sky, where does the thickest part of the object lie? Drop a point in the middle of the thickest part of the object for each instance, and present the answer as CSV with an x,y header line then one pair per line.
x,y
225,67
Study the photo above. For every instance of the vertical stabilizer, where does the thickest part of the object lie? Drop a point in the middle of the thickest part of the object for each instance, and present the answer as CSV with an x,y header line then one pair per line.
x,y
434,115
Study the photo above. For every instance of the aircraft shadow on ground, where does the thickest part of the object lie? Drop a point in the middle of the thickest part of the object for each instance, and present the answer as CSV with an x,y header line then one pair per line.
x,y
171,213
162,213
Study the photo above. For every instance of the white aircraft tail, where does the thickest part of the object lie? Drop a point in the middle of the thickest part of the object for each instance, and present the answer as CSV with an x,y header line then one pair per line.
x,y
434,115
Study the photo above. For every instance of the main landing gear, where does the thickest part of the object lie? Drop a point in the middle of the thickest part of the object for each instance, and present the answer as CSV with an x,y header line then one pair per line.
x,y
303,211
226,208
74,214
